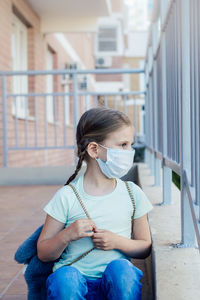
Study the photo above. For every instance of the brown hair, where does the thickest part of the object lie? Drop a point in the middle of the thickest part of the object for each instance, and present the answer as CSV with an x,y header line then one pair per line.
x,y
94,126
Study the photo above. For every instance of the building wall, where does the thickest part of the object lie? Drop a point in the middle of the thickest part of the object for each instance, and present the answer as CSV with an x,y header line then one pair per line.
x,y
84,45
117,6
134,63
37,47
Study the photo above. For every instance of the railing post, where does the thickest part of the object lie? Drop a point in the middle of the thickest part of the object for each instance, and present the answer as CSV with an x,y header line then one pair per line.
x,y
167,182
4,118
146,156
151,164
125,103
188,232
134,118
75,111
155,107
157,171
167,173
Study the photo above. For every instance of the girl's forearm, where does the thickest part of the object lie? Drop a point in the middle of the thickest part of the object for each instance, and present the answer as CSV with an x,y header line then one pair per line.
x,y
133,248
51,249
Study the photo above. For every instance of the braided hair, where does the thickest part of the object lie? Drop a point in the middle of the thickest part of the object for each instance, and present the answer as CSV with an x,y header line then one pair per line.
x,y
94,126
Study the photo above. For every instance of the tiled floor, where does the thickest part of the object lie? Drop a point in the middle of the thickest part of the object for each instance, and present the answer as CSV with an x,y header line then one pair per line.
x,y
20,214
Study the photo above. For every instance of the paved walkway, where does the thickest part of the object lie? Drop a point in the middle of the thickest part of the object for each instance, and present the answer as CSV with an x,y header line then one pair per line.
x,y
176,270
20,214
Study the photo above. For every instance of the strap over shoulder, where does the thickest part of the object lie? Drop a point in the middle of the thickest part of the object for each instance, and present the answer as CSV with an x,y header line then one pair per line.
x,y
79,199
84,208
132,198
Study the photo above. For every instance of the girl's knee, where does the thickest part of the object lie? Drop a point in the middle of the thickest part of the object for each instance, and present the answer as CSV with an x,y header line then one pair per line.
x,y
122,279
64,281
65,275
123,269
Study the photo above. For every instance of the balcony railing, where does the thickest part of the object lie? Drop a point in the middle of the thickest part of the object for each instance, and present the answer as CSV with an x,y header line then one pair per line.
x,y
44,110
172,108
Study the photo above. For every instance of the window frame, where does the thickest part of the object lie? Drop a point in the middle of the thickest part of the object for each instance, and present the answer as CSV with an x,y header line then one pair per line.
x,y
19,52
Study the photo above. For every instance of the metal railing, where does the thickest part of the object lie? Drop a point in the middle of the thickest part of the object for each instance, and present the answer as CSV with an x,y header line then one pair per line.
x,y
172,107
31,127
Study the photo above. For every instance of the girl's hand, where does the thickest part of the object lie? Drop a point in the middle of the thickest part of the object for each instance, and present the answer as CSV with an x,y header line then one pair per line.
x,y
104,239
81,228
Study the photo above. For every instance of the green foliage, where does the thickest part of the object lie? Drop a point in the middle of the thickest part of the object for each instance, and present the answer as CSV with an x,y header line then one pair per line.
x,y
176,180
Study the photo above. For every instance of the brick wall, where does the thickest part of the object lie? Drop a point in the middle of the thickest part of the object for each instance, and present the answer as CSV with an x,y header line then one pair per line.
x,y
117,63
37,49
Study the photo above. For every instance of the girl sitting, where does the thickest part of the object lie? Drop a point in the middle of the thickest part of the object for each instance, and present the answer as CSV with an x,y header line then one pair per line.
x,y
89,219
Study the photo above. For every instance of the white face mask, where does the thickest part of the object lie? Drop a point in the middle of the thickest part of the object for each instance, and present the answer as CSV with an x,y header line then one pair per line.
x,y
118,162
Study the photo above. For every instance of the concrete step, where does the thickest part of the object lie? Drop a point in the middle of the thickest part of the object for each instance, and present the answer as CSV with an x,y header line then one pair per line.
x,y
176,270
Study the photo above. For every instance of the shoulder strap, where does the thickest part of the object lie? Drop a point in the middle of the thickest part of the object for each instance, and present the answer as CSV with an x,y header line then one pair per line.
x,y
132,198
84,208
87,214
79,199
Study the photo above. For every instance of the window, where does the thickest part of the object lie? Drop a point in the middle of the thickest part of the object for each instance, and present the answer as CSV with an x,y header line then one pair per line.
x,y
107,39
49,90
19,63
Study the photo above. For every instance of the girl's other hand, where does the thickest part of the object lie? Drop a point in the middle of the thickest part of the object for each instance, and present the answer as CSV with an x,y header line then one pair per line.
x,y
104,239
81,228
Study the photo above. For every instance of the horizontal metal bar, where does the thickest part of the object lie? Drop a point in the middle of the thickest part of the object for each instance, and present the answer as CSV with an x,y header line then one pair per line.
x,y
41,148
172,165
150,149
167,15
78,93
111,93
159,155
166,161
39,94
163,28
67,71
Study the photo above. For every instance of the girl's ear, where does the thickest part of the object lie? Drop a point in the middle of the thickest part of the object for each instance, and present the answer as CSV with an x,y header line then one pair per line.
x,y
92,150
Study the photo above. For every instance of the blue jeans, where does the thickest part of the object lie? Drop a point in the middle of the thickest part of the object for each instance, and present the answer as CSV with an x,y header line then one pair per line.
x,y
120,281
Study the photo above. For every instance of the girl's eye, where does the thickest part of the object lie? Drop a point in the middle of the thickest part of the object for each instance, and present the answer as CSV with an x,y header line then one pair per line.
x,y
123,145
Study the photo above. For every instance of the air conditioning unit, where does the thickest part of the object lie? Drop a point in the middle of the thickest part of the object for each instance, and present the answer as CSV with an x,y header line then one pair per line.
x,y
103,62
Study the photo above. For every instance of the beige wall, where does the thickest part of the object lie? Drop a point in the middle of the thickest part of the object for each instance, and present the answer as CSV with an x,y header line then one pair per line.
x,y
117,5
134,63
84,45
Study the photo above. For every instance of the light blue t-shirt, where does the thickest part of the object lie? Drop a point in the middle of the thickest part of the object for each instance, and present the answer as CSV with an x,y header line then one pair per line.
x,y
110,212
